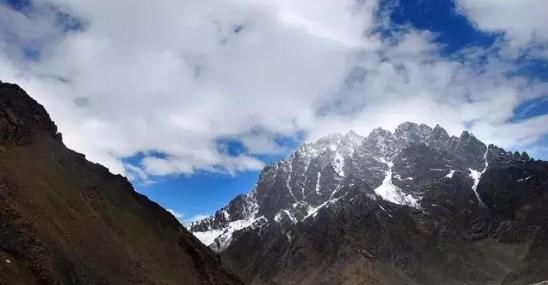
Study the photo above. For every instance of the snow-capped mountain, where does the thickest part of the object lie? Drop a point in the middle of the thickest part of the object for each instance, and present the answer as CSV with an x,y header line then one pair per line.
x,y
417,175
312,177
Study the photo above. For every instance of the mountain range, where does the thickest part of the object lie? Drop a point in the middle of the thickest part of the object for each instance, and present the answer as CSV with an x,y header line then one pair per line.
x,y
413,206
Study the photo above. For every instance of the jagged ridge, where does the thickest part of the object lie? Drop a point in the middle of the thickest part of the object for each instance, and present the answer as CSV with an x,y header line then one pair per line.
x,y
415,182
311,177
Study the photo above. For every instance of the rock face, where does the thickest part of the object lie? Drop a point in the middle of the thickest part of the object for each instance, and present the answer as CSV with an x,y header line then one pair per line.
x,y
64,220
415,206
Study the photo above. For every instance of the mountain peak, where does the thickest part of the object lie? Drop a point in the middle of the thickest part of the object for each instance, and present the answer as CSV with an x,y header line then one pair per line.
x,y
413,132
316,172
407,125
354,137
379,132
21,117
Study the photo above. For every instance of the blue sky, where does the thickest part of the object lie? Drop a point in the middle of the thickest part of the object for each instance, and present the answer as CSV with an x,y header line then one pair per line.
x,y
192,197
191,100
200,194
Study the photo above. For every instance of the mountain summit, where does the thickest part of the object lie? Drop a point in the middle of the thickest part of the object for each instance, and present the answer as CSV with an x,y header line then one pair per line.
x,y
413,206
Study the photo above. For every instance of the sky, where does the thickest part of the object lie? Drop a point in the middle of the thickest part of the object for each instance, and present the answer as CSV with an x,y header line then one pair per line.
x,y
190,99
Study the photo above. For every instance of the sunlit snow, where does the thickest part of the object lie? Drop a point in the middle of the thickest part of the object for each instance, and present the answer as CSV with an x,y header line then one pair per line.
x,y
208,237
318,182
390,192
476,176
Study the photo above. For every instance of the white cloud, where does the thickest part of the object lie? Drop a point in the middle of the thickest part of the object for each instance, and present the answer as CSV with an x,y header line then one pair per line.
x,y
173,77
176,214
523,22
166,166
169,79
184,220
261,143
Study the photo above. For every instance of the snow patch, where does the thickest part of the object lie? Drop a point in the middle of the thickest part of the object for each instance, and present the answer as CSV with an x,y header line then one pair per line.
x,y
208,237
288,236
334,191
226,215
385,210
290,216
278,216
390,192
220,239
318,183
524,179
450,174
476,176
225,238
397,176
313,211
288,180
338,163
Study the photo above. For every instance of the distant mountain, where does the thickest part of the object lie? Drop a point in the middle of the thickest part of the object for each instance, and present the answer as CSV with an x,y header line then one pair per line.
x,y
416,206
65,220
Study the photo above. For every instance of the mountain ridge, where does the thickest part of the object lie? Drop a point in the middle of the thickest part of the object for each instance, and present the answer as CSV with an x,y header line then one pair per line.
x,y
351,141
421,171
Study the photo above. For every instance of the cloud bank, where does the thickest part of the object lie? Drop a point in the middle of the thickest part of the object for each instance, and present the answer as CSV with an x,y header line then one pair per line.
x,y
167,80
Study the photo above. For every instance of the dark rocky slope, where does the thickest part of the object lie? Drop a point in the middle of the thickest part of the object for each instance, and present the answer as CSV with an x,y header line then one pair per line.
x,y
64,220
416,206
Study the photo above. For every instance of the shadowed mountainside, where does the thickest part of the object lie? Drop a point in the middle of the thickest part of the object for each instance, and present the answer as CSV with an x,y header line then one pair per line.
x,y
65,220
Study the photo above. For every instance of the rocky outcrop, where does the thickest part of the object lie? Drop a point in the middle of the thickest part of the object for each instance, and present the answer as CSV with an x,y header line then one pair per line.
x,y
65,220
21,117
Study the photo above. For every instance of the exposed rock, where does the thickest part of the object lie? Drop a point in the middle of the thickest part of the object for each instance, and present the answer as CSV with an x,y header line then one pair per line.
x,y
416,206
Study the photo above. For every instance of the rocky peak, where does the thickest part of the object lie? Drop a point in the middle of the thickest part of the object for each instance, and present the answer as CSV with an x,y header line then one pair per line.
x,y
439,136
353,138
470,150
333,143
393,167
413,133
378,142
21,117
377,133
